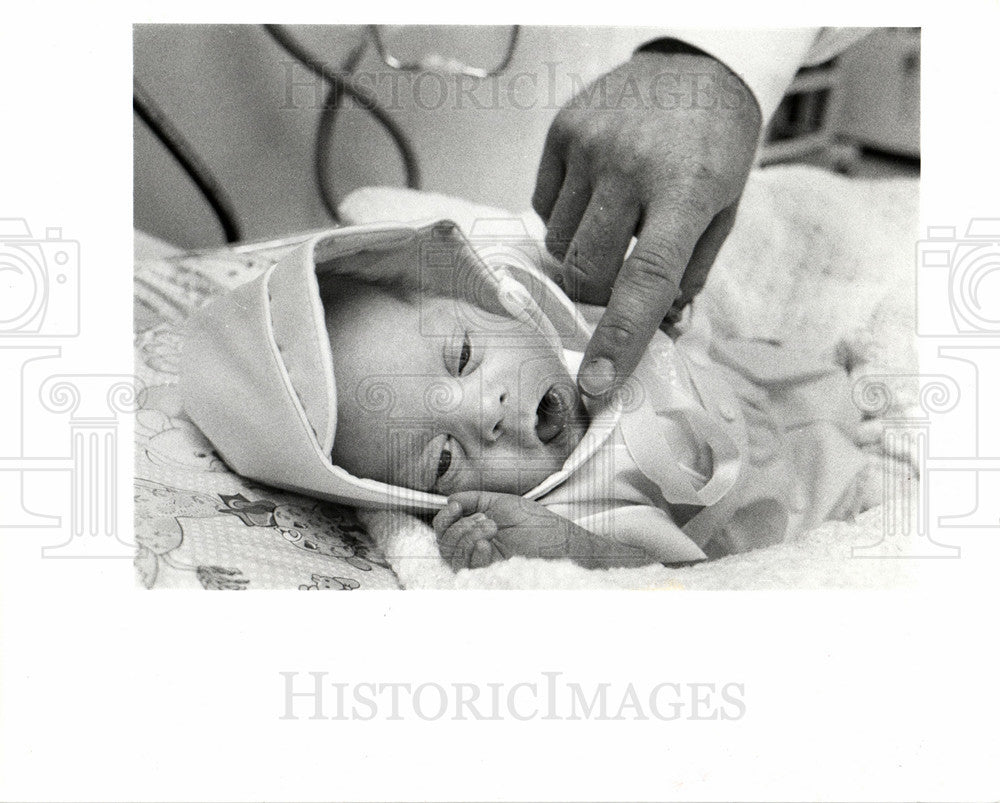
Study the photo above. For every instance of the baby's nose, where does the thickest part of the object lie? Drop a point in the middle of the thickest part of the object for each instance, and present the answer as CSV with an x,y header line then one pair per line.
x,y
494,414
505,417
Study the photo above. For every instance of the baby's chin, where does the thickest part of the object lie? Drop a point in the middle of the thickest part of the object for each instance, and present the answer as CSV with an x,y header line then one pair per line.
x,y
561,420
531,470
578,423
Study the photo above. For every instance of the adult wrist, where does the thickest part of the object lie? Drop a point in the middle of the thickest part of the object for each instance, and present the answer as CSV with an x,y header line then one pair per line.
x,y
670,46
764,59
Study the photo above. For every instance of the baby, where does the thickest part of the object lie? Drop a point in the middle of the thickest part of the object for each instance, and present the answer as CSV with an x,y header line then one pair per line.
x,y
400,360
480,403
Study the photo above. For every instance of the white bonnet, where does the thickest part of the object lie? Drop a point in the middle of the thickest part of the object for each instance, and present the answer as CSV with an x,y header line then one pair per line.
x,y
257,372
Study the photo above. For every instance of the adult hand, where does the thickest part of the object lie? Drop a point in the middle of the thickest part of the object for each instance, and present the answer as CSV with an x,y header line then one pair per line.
x,y
660,149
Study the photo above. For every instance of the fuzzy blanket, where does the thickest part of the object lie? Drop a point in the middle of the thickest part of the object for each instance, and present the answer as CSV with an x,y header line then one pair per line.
x,y
815,257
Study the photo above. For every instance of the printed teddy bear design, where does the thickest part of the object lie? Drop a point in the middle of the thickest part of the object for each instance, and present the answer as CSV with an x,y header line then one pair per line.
x,y
159,530
322,582
321,529
160,527
166,511
159,349
175,442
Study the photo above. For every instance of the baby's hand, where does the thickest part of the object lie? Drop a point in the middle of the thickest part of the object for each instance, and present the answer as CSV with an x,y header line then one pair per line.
x,y
467,541
477,528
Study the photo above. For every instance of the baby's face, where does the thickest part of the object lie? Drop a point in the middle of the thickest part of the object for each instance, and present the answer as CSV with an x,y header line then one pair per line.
x,y
437,395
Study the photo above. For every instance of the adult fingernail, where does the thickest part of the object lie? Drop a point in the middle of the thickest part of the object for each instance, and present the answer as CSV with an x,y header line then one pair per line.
x,y
597,377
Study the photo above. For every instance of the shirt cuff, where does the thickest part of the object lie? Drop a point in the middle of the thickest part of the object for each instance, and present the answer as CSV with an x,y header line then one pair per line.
x,y
765,59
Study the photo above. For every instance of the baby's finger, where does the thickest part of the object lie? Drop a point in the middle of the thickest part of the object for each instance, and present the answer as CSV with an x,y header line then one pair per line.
x,y
449,540
461,557
457,542
447,516
869,433
471,501
483,554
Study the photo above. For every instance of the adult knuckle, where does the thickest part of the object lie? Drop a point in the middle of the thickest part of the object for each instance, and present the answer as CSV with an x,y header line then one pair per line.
x,y
619,332
652,264
703,183
590,145
632,155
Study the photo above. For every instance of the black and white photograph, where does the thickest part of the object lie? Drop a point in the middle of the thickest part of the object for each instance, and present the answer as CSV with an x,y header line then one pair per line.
x,y
662,341
569,295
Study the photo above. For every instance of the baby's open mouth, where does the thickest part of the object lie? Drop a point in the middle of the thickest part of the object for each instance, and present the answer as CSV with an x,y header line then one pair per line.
x,y
554,412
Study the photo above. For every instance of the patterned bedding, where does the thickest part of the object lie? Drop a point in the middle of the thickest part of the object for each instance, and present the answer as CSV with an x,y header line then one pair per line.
x,y
197,524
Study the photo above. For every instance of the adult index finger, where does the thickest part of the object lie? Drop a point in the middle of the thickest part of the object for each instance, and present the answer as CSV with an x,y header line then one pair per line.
x,y
646,286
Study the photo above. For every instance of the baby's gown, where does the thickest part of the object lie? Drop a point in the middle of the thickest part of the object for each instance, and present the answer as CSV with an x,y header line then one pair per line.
x,y
774,431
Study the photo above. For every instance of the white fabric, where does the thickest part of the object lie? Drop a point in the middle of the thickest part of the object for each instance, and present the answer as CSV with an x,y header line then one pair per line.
x,y
768,58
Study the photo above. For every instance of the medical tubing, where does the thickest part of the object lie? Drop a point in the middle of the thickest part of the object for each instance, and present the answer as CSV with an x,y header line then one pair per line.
x,y
321,160
340,86
175,143
324,134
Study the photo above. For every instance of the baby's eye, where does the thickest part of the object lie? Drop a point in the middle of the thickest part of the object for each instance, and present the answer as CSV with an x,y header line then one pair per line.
x,y
444,461
465,355
461,356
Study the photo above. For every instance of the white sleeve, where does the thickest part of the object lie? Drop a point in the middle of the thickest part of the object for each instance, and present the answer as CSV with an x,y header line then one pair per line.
x,y
768,58
645,527
831,42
